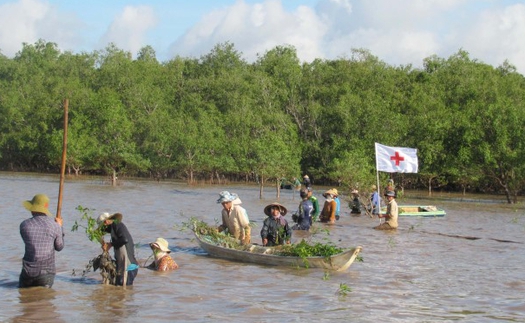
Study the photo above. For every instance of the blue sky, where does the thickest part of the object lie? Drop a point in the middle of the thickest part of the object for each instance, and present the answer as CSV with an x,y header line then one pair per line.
x,y
398,32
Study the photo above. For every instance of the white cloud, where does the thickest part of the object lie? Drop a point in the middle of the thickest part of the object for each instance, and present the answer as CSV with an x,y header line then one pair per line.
x,y
254,29
30,20
498,35
129,29
397,32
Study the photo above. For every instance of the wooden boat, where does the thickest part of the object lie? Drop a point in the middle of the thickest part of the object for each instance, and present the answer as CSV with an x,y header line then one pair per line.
x,y
426,211
264,256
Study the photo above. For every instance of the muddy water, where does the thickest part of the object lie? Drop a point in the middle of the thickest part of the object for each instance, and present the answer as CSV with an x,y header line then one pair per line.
x,y
424,272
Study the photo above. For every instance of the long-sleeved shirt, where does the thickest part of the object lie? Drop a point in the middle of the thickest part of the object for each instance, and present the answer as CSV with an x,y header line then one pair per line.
x,y
374,198
123,246
316,210
42,237
304,215
328,212
236,221
392,212
277,231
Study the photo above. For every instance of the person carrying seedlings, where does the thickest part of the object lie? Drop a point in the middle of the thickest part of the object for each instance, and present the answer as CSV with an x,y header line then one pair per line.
x,y
275,230
234,217
123,246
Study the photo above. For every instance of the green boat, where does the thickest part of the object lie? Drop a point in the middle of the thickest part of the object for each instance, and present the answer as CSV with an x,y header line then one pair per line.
x,y
426,211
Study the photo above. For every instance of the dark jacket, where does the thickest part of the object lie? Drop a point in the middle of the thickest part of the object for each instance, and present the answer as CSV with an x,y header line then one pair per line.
x,y
124,248
276,231
304,215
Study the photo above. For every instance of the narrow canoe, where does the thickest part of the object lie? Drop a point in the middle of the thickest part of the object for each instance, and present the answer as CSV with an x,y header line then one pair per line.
x,y
426,211
263,256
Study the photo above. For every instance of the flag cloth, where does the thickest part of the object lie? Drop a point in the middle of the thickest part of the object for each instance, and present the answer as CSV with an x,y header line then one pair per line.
x,y
396,159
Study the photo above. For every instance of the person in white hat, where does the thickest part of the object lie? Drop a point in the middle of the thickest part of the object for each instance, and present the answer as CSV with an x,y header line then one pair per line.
x,y
306,181
161,252
42,235
123,246
391,214
355,204
235,219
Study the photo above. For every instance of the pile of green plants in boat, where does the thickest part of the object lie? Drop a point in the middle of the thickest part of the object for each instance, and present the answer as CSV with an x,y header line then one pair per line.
x,y
302,249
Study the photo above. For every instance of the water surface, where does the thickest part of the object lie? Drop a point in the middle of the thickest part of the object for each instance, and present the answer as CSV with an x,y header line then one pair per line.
x,y
424,272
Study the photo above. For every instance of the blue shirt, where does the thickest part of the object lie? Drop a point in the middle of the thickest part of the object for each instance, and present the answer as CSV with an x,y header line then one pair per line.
x,y
304,216
375,203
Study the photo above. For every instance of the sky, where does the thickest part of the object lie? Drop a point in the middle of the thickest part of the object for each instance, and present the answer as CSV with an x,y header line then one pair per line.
x,y
397,32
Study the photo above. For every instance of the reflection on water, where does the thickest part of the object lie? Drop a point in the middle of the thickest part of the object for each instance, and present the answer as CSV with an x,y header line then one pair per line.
x,y
37,305
464,267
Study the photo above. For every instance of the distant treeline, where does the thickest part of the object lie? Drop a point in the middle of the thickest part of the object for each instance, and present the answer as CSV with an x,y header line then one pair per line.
x,y
219,117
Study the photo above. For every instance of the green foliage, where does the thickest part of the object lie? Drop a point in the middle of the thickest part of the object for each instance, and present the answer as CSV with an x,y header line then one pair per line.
x,y
219,117
93,231
304,249
344,289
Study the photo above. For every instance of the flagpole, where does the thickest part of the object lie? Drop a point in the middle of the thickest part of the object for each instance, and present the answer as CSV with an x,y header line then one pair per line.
x,y
378,187
378,196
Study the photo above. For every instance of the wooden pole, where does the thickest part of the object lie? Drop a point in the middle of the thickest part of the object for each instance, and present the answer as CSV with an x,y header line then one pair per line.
x,y
63,166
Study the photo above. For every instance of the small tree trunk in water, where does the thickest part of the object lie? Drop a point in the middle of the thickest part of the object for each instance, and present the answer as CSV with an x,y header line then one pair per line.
x,y
430,186
507,194
278,188
261,187
114,178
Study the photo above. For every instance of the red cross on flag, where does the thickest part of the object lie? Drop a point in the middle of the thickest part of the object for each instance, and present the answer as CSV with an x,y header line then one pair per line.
x,y
396,159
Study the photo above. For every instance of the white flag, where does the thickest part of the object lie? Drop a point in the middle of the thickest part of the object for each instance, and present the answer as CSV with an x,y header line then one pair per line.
x,y
396,159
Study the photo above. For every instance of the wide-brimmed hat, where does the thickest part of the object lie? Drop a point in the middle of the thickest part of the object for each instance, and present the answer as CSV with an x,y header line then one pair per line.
x,y
355,191
390,193
39,203
268,209
160,244
373,187
106,216
306,176
330,191
226,196
336,193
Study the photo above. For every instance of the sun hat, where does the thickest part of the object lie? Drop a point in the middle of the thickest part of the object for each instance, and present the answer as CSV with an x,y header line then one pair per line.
x,y
373,187
226,196
355,191
106,216
390,193
336,193
161,244
39,203
306,176
268,209
330,191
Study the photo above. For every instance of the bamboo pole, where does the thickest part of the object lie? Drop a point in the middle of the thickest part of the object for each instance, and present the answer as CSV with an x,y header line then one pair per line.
x,y
63,166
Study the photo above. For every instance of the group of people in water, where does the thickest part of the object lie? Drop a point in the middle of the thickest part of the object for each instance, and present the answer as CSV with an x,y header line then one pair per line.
x,y
43,235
